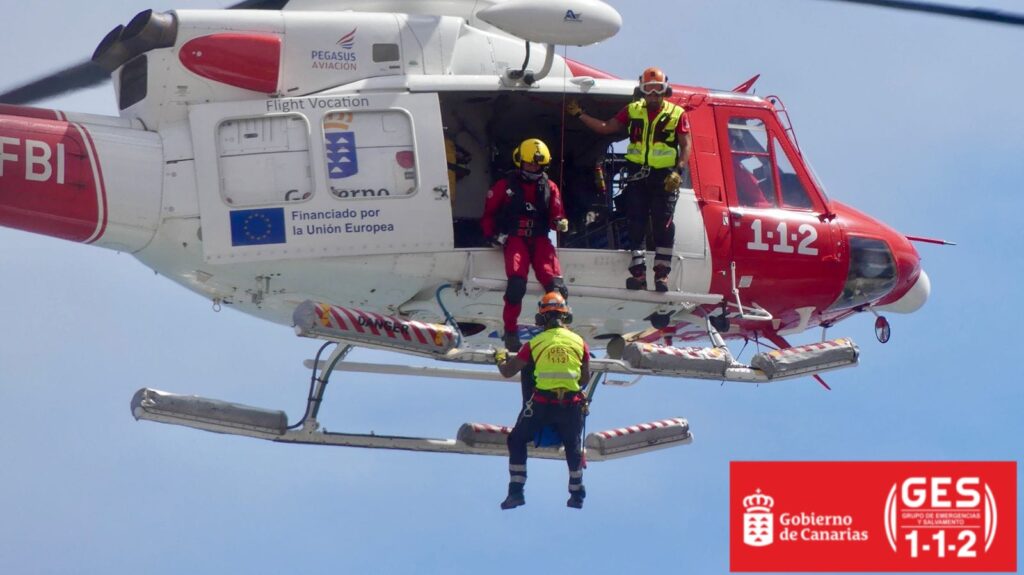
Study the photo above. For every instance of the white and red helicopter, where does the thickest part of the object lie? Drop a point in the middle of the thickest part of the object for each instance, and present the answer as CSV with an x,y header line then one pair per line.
x,y
324,165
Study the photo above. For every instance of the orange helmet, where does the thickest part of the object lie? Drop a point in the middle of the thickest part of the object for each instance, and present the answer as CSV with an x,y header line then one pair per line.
x,y
654,81
553,302
653,74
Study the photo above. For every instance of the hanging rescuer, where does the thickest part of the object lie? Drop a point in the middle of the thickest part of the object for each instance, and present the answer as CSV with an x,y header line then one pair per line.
x,y
520,210
561,368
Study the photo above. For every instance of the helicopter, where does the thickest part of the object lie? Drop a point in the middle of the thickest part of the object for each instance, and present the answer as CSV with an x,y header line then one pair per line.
x,y
220,174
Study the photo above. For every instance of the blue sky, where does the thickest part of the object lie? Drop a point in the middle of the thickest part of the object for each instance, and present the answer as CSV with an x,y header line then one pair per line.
x,y
913,119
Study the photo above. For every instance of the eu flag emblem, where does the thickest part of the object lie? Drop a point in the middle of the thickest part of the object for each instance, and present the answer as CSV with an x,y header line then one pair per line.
x,y
257,227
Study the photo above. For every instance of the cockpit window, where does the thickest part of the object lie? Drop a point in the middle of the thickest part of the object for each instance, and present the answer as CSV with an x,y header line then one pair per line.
x,y
793,193
872,273
751,163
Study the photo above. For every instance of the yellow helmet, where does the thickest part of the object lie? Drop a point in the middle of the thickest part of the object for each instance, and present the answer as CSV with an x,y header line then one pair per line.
x,y
533,151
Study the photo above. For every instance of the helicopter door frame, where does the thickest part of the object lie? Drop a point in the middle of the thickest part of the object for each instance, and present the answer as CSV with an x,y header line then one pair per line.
x,y
786,233
321,176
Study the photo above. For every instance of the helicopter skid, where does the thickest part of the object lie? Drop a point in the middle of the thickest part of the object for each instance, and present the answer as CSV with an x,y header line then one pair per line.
x,y
714,363
472,439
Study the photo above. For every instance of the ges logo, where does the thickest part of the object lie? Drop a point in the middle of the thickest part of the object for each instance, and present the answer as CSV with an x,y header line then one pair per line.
x,y
921,513
559,355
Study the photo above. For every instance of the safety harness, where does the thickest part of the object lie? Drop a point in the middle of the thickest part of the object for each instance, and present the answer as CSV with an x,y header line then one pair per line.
x,y
519,217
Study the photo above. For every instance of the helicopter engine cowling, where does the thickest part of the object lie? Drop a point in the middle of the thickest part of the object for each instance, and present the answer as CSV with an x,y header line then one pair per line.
x,y
79,177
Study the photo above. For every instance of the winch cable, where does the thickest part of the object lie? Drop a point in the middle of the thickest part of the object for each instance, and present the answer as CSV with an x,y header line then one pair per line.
x,y
561,151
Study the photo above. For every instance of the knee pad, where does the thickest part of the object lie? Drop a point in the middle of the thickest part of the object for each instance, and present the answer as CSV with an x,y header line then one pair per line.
x,y
515,290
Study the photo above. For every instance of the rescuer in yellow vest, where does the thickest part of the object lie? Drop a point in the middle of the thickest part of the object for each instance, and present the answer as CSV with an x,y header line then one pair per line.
x,y
657,155
560,360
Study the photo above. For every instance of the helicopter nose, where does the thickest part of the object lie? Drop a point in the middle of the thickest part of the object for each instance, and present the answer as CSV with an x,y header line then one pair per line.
x,y
912,285
914,298
89,179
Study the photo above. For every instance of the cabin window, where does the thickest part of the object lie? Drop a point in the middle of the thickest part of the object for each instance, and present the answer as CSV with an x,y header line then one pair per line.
x,y
872,273
751,163
385,53
369,155
264,160
794,195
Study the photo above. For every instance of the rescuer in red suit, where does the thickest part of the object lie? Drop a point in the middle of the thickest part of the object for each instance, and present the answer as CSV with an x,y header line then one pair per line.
x,y
520,209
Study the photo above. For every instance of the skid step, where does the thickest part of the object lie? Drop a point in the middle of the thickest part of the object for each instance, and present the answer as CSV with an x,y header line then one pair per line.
x,y
473,438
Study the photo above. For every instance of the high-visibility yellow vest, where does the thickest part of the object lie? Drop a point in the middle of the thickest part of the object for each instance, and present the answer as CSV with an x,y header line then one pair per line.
x,y
557,355
655,146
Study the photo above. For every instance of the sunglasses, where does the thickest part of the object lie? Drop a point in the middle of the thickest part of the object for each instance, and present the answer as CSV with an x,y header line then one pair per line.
x,y
654,87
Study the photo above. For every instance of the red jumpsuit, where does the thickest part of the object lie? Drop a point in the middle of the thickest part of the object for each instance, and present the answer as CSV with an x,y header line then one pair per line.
x,y
527,238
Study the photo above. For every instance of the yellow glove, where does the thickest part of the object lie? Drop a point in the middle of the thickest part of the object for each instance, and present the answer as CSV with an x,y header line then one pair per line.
x,y
573,108
562,225
500,355
672,182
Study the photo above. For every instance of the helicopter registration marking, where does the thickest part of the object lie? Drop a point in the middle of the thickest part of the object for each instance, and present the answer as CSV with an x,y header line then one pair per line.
x,y
39,158
806,231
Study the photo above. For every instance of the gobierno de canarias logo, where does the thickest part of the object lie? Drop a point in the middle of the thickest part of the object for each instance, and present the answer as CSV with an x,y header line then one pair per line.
x,y
759,528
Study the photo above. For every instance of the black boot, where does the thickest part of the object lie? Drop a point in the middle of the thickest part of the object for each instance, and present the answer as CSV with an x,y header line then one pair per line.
x,y
576,498
515,496
558,284
638,281
511,340
661,278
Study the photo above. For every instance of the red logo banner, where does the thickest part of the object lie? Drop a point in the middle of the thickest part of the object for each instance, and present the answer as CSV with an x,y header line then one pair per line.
x,y
873,516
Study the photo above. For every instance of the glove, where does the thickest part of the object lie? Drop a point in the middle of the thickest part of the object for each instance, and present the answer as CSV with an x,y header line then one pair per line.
x,y
500,355
562,225
498,240
672,182
573,108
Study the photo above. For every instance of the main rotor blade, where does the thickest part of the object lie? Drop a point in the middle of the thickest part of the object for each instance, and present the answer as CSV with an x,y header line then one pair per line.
x,y
983,14
259,5
83,75
87,74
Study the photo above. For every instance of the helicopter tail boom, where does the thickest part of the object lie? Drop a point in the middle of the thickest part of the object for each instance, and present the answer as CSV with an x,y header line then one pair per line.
x,y
53,169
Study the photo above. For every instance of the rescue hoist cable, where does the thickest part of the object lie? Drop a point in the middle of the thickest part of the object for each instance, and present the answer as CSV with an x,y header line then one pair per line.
x,y
561,151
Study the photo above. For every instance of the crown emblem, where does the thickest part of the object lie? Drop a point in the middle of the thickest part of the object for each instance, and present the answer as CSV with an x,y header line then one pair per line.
x,y
758,529
758,502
